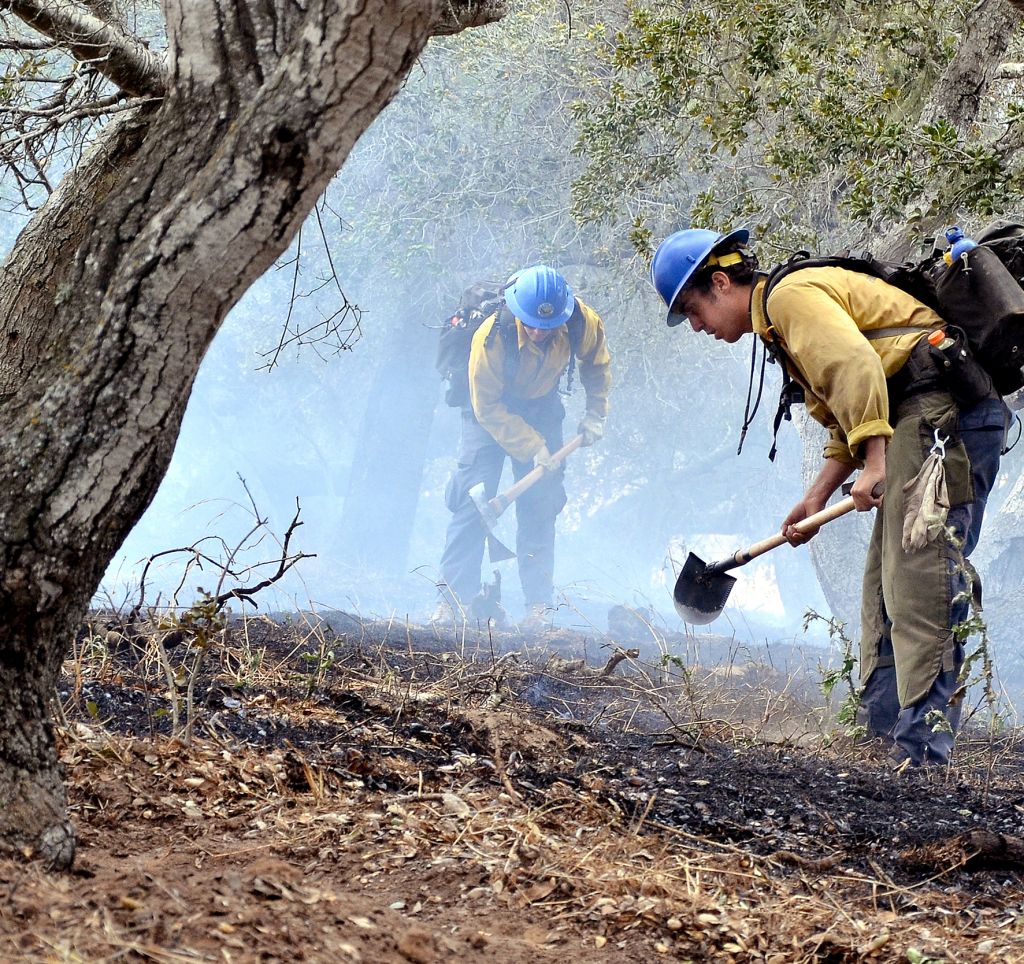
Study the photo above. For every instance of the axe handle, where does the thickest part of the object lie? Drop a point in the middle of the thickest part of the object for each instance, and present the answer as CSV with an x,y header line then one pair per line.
x,y
504,499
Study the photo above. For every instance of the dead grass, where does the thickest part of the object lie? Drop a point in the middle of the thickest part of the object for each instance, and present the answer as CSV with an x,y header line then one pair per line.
x,y
383,794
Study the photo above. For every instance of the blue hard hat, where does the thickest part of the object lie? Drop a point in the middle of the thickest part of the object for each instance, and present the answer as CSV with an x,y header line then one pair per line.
x,y
680,256
540,297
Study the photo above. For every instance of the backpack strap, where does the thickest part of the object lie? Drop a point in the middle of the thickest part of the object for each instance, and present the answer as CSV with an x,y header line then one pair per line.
x,y
894,332
798,259
575,326
791,393
504,327
911,279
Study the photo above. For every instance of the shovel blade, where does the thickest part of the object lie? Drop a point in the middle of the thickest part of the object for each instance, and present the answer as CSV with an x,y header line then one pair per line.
x,y
700,595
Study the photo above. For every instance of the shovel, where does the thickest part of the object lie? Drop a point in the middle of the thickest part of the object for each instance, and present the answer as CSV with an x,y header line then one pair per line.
x,y
702,588
491,510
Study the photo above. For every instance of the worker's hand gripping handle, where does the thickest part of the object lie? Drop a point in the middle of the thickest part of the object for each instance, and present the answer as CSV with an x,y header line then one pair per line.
x,y
809,525
504,499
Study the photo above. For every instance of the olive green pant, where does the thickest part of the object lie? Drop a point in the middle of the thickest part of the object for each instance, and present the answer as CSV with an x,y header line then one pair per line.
x,y
910,657
908,596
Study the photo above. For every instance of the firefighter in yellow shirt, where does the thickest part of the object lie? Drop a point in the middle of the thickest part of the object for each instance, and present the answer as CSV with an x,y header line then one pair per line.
x,y
516,362
859,348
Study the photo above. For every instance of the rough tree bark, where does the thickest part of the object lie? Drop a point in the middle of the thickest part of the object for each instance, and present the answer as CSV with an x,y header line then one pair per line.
x,y
113,294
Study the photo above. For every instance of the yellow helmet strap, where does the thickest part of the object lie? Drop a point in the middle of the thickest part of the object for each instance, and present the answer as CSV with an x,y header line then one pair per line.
x,y
724,260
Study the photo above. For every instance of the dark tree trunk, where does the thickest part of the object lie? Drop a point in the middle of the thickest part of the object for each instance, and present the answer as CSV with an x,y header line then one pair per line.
x,y
391,451
116,291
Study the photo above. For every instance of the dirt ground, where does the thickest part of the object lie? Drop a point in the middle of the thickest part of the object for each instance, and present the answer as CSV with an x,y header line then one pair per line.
x,y
339,790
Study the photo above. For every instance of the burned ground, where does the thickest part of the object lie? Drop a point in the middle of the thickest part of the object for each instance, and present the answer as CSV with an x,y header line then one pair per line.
x,y
333,790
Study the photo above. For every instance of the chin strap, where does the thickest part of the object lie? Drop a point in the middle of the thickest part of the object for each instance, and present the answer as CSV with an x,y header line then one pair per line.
x,y
749,411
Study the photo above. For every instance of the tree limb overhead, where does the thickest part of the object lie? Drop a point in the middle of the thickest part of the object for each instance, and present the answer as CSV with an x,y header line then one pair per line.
x,y
458,15
118,55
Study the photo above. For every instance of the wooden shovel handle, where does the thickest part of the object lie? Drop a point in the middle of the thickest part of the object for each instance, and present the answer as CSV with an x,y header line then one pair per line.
x,y
504,499
809,524
804,525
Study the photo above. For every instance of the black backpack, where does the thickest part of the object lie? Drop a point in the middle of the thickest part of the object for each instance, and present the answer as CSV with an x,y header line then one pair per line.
x,y
478,302
981,293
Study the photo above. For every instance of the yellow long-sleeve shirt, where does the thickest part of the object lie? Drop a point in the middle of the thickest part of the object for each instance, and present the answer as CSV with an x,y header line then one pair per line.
x,y
539,369
818,316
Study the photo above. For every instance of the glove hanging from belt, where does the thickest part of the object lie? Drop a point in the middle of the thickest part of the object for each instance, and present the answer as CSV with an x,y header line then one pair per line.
x,y
926,501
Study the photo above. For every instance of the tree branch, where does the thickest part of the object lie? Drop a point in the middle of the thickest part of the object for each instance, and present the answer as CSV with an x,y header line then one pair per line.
x,y
6,43
119,56
958,94
459,15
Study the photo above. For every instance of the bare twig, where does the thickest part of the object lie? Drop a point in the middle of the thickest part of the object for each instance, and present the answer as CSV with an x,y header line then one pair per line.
x,y
337,332
285,563
617,657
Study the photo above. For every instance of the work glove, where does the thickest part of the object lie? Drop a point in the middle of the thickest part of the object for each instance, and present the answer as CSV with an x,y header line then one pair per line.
x,y
543,459
926,505
591,427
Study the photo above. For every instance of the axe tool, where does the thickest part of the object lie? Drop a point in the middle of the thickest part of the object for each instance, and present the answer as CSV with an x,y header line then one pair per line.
x,y
491,509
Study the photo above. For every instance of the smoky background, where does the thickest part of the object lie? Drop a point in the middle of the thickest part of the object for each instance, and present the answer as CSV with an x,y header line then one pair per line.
x,y
468,175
